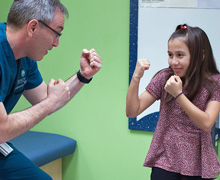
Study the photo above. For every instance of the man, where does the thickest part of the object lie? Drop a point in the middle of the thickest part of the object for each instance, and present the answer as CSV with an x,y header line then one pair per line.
x,y
33,27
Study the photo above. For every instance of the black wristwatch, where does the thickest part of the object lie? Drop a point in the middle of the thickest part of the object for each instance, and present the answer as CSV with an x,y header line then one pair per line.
x,y
82,78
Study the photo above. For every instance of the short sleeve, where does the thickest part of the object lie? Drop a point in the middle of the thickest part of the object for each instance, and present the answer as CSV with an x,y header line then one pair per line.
x,y
34,78
216,90
156,85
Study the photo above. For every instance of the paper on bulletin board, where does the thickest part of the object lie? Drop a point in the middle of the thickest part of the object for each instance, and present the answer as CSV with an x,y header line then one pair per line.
x,y
169,3
203,4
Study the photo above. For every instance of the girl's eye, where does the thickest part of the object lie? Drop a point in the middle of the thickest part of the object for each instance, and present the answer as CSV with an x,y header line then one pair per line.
x,y
170,55
180,55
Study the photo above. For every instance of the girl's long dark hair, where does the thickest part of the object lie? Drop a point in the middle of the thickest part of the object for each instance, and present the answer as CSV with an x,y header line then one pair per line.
x,y
202,63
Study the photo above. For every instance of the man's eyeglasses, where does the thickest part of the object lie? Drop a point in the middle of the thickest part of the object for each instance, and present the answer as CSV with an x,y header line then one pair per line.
x,y
57,33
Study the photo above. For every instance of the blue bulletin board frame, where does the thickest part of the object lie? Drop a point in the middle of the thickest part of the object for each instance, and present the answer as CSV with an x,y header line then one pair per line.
x,y
148,122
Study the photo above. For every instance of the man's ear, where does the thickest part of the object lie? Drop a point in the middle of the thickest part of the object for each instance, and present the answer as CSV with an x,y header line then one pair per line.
x,y
32,27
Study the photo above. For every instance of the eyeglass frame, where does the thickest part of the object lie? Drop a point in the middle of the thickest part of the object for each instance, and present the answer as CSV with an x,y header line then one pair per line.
x,y
58,34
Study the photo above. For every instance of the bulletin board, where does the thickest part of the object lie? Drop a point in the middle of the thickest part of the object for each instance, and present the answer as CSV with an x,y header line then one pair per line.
x,y
151,24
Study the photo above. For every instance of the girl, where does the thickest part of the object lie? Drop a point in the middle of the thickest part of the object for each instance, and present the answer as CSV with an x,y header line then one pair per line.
x,y
189,94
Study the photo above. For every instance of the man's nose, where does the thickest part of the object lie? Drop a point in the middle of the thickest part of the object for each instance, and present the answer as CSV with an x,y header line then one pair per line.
x,y
56,42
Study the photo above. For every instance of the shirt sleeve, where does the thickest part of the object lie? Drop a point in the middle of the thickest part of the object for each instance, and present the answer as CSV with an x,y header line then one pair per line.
x,y
1,92
34,78
156,85
216,89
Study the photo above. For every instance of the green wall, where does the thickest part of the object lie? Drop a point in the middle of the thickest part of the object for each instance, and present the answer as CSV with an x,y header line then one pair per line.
x,y
95,118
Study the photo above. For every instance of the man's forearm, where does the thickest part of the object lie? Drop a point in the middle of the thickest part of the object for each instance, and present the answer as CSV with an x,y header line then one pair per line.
x,y
17,123
74,85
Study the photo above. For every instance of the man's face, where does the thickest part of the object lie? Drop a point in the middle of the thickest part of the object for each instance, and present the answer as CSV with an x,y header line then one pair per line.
x,y
47,38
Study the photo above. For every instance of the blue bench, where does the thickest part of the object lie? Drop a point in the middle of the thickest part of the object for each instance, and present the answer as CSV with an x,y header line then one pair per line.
x,y
43,148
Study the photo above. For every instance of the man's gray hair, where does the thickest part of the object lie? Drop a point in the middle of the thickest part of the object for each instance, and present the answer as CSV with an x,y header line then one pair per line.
x,y
22,11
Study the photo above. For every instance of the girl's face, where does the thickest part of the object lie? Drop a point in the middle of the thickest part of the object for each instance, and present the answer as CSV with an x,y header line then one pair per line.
x,y
179,56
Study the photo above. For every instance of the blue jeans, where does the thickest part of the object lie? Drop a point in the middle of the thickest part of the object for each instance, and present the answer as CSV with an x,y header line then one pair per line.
x,y
17,166
161,174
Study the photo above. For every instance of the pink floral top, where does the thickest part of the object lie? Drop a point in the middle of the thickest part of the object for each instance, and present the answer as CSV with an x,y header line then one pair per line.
x,y
178,145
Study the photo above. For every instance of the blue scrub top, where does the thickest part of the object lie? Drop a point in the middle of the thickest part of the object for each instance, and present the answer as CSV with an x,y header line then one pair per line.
x,y
15,77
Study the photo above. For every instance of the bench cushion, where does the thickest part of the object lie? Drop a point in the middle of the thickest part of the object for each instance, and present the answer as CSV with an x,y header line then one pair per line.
x,y
42,148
